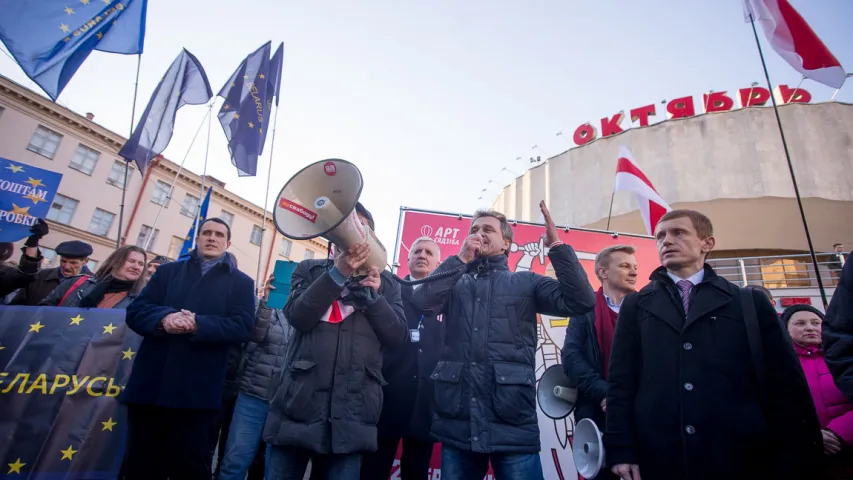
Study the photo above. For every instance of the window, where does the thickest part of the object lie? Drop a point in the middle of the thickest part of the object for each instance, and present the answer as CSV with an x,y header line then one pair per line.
x,y
309,254
175,247
257,234
285,247
227,217
49,256
84,159
160,193
117,174
92,265
101,222
44,142
142,240
190,206
62,209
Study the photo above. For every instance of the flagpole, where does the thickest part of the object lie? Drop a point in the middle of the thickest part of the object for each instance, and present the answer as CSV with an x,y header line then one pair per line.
x,y
794,93
126,162
266,199
790,165
204,171
612,195
839,88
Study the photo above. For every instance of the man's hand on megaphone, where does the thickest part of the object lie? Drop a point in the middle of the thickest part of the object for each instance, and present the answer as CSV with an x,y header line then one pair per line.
x,y
471,247
373,280
354,257
626,471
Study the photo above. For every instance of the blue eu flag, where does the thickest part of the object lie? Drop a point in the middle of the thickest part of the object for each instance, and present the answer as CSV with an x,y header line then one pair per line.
x,y
26,193
248,100
50,39
184,83
202,216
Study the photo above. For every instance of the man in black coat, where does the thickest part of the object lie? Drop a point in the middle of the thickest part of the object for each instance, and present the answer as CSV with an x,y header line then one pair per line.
x,y
589,337
703,381
407,407
838,332
485,390
330,397
20,276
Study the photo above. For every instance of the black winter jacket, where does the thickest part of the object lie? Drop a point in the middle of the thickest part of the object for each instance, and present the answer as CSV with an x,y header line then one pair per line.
x,y
330,395
838,332
485,392
582,363
75,297
265,353
40,285
13,278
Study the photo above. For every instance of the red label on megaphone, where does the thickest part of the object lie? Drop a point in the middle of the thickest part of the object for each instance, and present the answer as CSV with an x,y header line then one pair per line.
x,y
297,209
330,168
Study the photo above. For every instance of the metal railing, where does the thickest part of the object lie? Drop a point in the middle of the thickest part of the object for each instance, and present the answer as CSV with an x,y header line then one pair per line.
x,y
784,271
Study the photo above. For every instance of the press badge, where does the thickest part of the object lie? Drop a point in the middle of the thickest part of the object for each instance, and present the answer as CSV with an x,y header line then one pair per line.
x,y
415,335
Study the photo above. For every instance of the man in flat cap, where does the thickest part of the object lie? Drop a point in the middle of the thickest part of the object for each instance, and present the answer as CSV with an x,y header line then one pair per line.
x,y
73,256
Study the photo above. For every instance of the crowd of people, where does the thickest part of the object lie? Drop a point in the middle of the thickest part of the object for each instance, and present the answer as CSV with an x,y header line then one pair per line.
x,y
691,377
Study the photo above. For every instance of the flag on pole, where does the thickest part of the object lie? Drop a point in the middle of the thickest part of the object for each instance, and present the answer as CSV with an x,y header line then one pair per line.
x,y
629,177
245,114
275,72
795,41
202,216
50,39
184,83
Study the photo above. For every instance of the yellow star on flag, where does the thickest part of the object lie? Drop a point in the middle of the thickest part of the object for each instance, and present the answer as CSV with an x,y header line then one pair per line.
x,y
251,125
84,2
109,329
35,327
225,107
245,77
69,10
67,39
107,2
15,467
15,168
127,354
236,115
261,75
233,84
35,183
64,28
261,130
35,198
76,320
2,347
68,454
20,210
101,35
109,424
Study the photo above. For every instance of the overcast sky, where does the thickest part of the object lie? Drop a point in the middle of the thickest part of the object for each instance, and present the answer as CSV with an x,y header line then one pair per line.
x,y
432,99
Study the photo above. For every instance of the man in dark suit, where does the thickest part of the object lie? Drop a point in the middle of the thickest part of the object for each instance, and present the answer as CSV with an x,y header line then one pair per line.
x,y
703,381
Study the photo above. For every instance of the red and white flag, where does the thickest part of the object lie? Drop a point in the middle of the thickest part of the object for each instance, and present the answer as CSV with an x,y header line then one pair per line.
x,y
629,177
795,41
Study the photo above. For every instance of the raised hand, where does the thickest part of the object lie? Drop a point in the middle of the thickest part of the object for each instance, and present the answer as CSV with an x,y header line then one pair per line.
x,y
353,258
268,288
470,248
373,280
551,234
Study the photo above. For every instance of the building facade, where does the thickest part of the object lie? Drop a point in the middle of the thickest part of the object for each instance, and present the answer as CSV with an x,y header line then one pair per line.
x,y
38,132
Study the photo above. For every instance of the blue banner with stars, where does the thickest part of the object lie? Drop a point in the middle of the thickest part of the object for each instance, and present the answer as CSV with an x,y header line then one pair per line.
x,y
26,193
61,370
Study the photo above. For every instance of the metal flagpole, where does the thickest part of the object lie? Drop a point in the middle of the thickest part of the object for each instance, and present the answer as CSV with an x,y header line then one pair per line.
x,y
790,166
794,93
610,213
266,199
839,88
126,162
204,172
150,237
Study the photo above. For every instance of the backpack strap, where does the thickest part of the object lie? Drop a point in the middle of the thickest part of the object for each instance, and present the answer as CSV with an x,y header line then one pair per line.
x,y
74,287
753,335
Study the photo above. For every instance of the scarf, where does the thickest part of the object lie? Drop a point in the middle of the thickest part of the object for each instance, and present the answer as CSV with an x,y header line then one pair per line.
x,y
107,285
605,327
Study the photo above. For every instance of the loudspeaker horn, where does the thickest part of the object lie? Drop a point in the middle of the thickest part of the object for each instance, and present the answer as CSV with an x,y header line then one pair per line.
x,y
556,396
588,449
320,200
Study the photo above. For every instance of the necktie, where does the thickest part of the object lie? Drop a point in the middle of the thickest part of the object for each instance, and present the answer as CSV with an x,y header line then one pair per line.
x,y
685,286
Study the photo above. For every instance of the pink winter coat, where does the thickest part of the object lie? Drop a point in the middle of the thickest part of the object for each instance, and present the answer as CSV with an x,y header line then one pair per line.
x,y
834,411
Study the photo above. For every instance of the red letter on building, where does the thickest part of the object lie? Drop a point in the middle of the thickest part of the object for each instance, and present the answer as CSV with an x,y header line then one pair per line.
x,y
717,102
680,108
748,97
610,126
642,114
791,95
584,134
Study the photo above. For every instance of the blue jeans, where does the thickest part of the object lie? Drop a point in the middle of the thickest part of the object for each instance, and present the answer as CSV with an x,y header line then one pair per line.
x,y
459,464
289,463
244,436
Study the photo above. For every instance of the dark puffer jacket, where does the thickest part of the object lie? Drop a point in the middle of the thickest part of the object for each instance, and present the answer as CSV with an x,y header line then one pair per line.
x,y
330,394
265,353
485,391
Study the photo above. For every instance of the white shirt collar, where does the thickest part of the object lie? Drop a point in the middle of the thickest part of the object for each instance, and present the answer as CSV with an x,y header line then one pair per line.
x,y
611,304
695,279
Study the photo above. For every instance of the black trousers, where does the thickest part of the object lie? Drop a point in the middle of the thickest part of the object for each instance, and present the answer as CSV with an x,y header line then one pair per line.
x,y
169,443
414,463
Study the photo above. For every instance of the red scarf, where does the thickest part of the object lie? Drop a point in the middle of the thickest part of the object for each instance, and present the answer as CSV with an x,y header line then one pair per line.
x,y
605,326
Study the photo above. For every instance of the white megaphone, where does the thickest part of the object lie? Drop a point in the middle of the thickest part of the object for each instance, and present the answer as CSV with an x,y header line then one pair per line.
x,y
588,448
556,397
320,200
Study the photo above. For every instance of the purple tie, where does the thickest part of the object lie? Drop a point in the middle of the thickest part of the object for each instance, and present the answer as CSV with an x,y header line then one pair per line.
x,y
685,286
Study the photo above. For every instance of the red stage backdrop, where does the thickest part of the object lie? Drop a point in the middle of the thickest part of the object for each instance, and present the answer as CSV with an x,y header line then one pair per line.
x,y
527,253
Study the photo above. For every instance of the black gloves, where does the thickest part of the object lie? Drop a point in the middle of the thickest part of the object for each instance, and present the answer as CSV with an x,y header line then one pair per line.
x,y
359,296
37,231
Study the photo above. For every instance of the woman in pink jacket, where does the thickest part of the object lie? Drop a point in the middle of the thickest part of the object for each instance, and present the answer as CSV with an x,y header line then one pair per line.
x,y
834,410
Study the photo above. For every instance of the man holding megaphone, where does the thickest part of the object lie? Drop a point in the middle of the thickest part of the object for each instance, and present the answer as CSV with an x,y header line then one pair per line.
x,y
485,382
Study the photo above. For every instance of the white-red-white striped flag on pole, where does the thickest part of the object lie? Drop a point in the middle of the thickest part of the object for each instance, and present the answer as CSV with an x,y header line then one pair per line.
x,y
630,178
795,41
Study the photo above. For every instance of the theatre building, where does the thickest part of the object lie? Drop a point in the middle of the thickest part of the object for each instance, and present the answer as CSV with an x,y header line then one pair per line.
x,y
35,131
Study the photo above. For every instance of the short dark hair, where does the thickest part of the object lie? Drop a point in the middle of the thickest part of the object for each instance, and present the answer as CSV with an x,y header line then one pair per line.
x,y
837,245
700,221
790,311
219,221
762,290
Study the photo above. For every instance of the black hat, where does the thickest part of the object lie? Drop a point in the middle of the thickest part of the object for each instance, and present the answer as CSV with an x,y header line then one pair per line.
x,y
359,209
74,249
159,259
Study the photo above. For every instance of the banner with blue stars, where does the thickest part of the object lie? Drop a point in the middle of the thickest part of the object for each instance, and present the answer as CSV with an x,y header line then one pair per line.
x,y
26,193
61,370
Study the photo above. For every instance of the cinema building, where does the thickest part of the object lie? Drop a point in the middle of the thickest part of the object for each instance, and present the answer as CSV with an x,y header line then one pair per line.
x,y
728,163
35,131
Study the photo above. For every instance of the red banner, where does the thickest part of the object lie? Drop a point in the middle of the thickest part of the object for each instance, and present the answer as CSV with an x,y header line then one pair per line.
x,y
527,252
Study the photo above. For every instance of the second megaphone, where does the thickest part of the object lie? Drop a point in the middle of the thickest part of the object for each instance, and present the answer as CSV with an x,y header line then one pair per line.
x,y
320,200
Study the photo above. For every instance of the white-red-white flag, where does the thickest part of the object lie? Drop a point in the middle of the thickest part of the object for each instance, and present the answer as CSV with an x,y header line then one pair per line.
x,y
630,178
795,41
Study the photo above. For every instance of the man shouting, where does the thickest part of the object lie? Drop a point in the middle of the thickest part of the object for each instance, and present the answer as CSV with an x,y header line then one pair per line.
x,y
485,385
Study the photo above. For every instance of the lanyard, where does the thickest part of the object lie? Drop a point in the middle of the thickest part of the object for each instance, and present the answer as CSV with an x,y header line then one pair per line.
x,y
421,323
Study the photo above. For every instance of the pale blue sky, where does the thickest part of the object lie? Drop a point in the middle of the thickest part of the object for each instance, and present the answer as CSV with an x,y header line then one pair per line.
x,y
431,99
